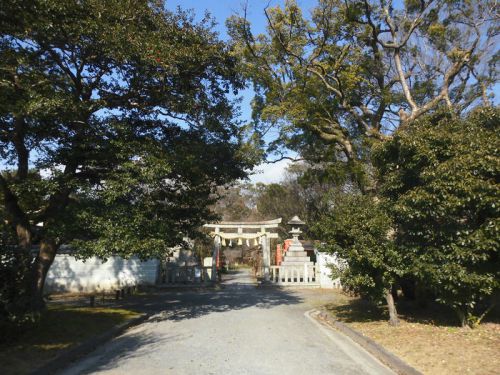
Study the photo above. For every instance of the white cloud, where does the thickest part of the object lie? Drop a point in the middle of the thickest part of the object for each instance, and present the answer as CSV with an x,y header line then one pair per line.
x,y
269,173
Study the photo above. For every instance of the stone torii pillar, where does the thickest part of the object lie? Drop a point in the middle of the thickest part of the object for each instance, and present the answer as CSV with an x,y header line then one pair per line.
x,y
266,253
215,254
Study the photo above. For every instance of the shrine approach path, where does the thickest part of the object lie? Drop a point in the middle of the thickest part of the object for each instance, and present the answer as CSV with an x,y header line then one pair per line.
x,y
239,328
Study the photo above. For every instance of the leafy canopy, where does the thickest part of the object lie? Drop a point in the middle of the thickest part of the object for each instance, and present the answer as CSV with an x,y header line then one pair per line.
x,y
116,122
351,72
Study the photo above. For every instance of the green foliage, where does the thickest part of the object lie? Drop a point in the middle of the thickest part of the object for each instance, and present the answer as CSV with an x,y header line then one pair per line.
x,y
441,178
335,77
339,83
357,229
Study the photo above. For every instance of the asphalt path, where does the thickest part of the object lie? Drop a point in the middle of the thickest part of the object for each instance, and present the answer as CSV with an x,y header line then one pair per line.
x,y
239,328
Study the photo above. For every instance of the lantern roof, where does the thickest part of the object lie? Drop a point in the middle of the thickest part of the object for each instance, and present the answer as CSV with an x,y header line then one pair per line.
x,y
296,221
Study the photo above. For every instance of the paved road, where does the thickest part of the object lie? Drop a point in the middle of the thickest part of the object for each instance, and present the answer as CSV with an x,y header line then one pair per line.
x,y
239,329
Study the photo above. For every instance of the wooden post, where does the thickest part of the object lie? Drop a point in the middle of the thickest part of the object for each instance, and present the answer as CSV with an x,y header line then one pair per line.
x,y
92,301
117,295
215,254
279,257
266,255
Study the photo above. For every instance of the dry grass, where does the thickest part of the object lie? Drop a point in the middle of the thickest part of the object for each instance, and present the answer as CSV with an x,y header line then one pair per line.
x,y
61,327
427,339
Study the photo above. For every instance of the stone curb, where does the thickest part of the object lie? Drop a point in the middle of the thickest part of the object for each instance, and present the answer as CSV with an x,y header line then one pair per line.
x,y
395,363
66,357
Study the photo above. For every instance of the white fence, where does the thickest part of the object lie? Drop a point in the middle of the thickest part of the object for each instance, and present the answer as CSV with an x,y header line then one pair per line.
x,y
294,275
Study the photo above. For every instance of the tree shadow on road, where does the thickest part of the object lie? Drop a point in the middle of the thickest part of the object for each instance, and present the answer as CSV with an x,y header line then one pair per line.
x,y
190,305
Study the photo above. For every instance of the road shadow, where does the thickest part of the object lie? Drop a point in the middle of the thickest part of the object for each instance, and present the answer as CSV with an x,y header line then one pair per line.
x,y
239,291
191,305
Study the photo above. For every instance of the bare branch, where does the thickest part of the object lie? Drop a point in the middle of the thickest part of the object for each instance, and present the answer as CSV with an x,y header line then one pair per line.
x,y
283,157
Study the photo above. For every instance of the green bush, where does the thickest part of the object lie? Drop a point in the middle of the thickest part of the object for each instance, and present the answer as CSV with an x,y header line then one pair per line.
x,y
15,302
441,178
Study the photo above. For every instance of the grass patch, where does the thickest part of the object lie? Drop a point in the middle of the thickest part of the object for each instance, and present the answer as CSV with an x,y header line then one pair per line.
x,y
427,339
60,328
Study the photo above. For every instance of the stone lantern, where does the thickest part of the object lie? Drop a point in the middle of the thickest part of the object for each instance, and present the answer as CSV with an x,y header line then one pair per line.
x,y
296,256
296,223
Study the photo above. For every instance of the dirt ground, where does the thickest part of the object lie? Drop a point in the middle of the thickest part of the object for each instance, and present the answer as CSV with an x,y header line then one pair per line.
x,y
428,340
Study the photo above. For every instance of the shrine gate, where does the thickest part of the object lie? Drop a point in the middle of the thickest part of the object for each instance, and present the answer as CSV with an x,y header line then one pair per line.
x,y
257,232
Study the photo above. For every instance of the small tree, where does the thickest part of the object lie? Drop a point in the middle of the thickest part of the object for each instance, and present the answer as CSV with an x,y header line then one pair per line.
x,y
356,229
441,176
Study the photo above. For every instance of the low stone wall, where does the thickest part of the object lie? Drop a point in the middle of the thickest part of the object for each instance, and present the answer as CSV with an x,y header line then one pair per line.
x,y
68,274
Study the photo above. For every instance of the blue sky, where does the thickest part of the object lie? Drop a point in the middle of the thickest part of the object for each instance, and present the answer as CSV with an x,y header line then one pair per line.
x,y
221,10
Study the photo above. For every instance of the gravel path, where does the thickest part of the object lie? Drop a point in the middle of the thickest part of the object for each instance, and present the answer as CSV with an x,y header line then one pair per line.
x,y
238,329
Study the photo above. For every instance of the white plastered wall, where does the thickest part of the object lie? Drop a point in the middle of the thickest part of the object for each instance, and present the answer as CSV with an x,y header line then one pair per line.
x,y
69,274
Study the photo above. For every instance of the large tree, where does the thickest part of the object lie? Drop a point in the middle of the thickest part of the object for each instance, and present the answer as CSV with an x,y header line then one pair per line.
x,y
353,71
116,125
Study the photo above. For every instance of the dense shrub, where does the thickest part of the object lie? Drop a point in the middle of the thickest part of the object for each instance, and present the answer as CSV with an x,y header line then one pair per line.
x,y
441,179
15,309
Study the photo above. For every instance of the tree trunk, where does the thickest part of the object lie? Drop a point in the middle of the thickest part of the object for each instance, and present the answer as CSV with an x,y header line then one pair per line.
x,y
43,261
391,306
16,216
462,317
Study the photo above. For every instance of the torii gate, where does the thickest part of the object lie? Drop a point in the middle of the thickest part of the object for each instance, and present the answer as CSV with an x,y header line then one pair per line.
x,y
256,230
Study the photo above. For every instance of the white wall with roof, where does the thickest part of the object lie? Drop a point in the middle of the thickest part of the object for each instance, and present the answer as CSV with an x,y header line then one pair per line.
x,y
68,274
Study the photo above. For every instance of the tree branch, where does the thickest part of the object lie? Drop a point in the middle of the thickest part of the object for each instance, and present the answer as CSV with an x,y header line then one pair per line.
x,y
283,157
